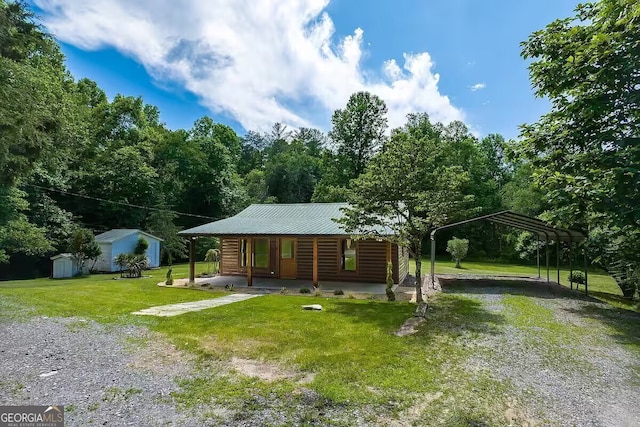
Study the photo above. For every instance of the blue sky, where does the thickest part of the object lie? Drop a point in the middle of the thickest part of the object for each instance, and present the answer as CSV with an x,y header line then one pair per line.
x,y
250,63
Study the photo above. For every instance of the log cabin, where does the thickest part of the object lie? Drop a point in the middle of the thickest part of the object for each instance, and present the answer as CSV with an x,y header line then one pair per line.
x,y
298,241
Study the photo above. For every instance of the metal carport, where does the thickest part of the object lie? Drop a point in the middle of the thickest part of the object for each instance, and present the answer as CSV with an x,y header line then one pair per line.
x,y
526,223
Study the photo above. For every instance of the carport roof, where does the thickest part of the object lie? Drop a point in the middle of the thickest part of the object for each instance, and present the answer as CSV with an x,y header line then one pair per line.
x,y
524,222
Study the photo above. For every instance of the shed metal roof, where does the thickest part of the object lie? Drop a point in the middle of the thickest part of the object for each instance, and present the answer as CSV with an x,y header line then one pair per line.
x,y
527,223
120,233
63,255
277,219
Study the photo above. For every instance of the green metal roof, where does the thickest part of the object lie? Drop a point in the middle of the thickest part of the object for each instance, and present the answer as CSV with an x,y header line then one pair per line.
x,y
280,219
120,233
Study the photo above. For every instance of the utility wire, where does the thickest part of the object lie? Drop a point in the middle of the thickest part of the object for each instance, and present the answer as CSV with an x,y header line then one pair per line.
x,y
131,205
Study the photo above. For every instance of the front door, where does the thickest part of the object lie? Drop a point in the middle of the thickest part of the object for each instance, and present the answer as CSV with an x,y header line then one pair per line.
x,y
288,258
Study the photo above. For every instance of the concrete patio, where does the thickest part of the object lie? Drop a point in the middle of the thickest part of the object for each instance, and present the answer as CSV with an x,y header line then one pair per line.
x,y
273,284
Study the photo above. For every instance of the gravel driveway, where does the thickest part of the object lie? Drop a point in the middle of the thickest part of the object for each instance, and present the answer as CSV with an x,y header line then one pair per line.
x,y
569,361
115,375
584,373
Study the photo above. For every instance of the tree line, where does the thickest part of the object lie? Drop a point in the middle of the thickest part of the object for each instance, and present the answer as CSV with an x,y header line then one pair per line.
x,y
71,158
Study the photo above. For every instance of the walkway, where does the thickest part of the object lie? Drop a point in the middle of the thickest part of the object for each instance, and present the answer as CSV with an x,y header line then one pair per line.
x,y
187,307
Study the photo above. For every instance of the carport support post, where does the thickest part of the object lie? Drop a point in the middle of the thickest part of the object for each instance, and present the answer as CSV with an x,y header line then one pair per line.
x,y
192,260
586,270
538,254
558,257
546,243
570,262
433,259
250,263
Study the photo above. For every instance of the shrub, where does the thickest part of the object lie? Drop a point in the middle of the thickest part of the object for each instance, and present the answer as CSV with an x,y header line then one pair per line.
x,y
229,287
391,296
317,292
283,290
169,280
131,265
213,257
576,277
458,249
141,246
338,292
351,296
305,291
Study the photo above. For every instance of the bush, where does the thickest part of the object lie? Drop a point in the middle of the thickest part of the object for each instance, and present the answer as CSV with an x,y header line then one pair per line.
x,y
576,277
351,296
131,265
305,291
283,290
169,277
141,247
391,296
229,287
317,292
338,292
213,257
458,249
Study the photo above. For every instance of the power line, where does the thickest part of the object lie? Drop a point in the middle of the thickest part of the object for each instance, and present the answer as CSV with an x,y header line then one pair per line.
x,y
131,205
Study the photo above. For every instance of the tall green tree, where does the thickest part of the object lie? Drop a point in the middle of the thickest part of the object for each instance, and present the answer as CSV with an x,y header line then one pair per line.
x,y
407,190
161,223
357,134
33,121
586,150
84,247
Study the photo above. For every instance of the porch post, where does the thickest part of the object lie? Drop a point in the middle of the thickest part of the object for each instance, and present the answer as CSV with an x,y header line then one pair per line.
x,y
192,260
249,261
315,262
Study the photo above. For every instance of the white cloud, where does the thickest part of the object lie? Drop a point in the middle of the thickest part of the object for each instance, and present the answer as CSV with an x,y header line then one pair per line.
x,y
259,61
478,86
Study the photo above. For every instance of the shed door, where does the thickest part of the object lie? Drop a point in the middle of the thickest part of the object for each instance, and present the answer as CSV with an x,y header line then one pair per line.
x,y
67,268
288,258
152,253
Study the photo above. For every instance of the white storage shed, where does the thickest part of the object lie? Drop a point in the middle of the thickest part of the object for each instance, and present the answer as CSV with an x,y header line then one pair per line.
x,y
64,265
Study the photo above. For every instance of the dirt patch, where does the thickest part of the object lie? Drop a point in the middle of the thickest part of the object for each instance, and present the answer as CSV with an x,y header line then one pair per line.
x,y
157,353
409,327
267,371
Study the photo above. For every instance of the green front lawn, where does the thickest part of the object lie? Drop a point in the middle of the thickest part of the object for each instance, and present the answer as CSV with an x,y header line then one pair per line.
x,y
100,296
347,353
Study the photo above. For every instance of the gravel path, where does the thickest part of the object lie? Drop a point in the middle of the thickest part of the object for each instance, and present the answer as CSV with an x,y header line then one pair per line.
x,y
592,380
103,375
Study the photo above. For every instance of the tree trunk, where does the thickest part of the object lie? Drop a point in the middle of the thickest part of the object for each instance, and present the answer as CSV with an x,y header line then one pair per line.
x,y
457,262
418,258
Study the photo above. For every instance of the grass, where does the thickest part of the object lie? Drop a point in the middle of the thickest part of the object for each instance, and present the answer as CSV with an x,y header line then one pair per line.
x,y
99,296
601,285
348,349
